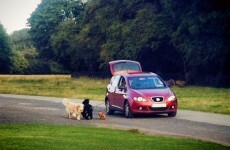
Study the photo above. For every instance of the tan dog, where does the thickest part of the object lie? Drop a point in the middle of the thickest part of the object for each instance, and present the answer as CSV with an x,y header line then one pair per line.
x,y
73,109
102,115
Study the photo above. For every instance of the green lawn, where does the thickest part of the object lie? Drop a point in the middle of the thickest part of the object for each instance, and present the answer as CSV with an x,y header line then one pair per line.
x,y
54,85
14,136
206,99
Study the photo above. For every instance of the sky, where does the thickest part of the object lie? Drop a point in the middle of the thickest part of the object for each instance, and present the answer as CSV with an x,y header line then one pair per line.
x,y
14,13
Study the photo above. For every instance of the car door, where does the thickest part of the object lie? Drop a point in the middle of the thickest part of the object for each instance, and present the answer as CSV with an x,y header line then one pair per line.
x,y
112,88
120,93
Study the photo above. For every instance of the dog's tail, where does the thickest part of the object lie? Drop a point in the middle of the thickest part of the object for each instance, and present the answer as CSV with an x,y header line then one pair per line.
x,y
65,101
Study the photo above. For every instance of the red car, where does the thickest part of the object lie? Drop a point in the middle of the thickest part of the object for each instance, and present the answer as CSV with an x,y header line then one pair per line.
x,y
132,91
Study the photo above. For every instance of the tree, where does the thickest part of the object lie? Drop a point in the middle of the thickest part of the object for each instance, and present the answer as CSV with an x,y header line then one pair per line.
x,y
189,38
21,40
200,37
5,52
20,64
61,42
25,54
44,21
129,30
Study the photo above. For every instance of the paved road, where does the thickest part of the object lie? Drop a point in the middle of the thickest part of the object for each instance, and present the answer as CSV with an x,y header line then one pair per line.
x,y
48,110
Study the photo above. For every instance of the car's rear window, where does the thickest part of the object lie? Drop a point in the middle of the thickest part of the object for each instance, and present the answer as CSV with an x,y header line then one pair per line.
x,y
146,82
126,66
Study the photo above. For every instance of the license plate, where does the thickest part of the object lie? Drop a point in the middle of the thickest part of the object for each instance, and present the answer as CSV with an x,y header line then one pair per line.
x,y
159,105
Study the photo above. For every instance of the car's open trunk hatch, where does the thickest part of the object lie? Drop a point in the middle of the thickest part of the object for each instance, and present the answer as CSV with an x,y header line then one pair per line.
x,y
124,66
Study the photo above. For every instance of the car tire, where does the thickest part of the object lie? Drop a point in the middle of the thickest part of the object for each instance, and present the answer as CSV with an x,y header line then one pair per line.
x,y
107,108
127,110
172,114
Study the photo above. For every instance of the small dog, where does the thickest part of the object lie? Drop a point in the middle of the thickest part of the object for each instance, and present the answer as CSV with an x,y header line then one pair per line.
x,y
102,115
73,109
88,110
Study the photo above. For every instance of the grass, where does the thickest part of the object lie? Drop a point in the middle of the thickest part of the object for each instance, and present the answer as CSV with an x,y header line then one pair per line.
x,y
54,85
206,99
33,136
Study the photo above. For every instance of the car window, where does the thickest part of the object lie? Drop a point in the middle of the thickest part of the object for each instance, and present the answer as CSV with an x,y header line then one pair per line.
x,y
122,82
115,80
126,66
146,82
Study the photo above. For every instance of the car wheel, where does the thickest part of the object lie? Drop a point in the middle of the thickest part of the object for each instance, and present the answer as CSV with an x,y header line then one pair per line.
x,y
107,107
127,110
172,114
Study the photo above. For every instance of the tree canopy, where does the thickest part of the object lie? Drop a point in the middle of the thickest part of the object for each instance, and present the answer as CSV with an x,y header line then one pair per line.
x,y
5,52
44,22
187,40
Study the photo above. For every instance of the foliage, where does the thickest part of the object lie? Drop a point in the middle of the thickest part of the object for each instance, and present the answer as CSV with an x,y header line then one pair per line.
x,y
20,64
6,52
61,42
24,52
44,21
200,37
166,37
188,40
21,40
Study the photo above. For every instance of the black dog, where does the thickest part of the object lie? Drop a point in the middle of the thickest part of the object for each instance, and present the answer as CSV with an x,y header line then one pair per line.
x,y
88,110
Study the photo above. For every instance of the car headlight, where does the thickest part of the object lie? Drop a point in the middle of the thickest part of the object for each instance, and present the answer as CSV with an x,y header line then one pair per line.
x,y
140,99
172,98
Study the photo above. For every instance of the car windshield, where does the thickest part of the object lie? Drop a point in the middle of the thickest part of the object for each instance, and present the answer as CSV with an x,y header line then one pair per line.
x,y
146,82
